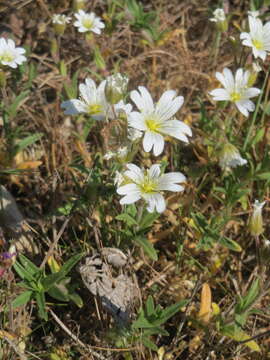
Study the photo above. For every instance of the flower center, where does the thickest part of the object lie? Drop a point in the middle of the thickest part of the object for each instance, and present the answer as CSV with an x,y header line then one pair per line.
x,y
235,96
94,109
7,57
258,44
87,23
148,186
152,124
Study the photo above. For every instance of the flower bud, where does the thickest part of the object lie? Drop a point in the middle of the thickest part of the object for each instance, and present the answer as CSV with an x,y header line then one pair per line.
x,y
220,20
256,221
116,88
59,23
229,157
78,5
253,74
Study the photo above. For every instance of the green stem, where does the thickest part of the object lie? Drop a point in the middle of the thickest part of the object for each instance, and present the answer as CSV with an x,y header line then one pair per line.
x,y
256,111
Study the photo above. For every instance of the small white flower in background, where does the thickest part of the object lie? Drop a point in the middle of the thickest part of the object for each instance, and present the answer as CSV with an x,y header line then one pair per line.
x,y
88,22
230,157
134,134
118,179
219,16
157,120
236,90
149,185
258,38
10,55
116,87
120,153
121,109
60,19
92,101
256,221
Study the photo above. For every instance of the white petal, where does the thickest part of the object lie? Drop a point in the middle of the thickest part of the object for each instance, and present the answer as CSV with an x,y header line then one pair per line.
x,y
136,121
143,100
220,94
249,105
127,189
242,108
251,92
156,201
154,171
167,181
168,105
73,107
148,141
177,129
158,144
130,198
134,173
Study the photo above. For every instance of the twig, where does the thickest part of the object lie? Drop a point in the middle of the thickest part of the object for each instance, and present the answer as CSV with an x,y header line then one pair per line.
x,y
75,338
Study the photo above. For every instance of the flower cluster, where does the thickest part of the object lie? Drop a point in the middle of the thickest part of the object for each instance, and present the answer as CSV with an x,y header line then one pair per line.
x,y
153,121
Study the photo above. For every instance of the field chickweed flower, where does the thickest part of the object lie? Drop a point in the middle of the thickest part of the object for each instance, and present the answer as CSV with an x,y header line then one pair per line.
x,y
88,22
156,120
256,221
236,90
93,102
230,157
148,185
11,55
60,19
258,38
116,88
219,16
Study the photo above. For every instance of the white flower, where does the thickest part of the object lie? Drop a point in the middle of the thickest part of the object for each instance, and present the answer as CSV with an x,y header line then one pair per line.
x,y
116,87
92,101
148,185
134,134
219,16
120,153
230,157
60,19
156,120
258,38
88,22
236,90
9,54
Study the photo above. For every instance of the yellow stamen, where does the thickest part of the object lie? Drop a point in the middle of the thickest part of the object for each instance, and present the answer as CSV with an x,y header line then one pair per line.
x,y
7,57
258,44
94,109
87,23
152,124
235,96
148,186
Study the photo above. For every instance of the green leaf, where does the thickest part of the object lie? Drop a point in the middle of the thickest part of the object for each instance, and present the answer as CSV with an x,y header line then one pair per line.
x,y
127,219
22,272
59,292
230,244
237,334
22,144
12,109
22,299
149,344
263,176
29,266
147,247
40,298
258,137
147,220
100,62
76,299
150,306
248,300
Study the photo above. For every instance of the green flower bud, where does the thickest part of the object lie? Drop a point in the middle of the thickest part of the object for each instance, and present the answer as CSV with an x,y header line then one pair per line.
x,y
78,5
116,88
229,157
256,221
59,23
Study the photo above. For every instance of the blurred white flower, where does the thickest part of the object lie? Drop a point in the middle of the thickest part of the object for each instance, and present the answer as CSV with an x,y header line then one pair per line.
x,y
60,19
230,157
236,90
258,38
219,16
156,120
116,87
148,185
88,22
119,153
11,55
118,179
134,134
